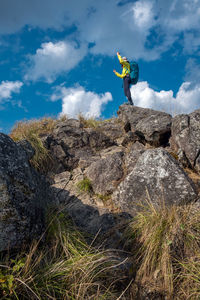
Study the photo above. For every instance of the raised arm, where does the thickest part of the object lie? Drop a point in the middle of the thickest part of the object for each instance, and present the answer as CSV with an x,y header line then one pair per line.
x,y
121,61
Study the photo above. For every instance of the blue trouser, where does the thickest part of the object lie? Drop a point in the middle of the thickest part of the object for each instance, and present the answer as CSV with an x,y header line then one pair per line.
x,y
126,84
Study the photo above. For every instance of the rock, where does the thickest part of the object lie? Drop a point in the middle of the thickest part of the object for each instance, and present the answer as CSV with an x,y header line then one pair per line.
x,y
132,157
132,137
111,150
27,148
185,137
98,140
70,142
23,195
112,128
153,126
82,208
156,177
105,173
137,146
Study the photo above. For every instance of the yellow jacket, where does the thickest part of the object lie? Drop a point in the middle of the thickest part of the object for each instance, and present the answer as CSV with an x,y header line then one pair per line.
x,y
126,67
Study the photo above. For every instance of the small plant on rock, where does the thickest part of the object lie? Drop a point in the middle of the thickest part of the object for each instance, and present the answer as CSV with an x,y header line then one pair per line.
x,y
85,185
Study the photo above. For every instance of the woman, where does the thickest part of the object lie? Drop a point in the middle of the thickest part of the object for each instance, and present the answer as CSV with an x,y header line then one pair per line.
x,y
126,76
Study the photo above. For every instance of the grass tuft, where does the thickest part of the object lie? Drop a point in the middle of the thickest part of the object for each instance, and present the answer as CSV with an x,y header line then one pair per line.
x,y
32,131
64,267
91,122
85,185
165,236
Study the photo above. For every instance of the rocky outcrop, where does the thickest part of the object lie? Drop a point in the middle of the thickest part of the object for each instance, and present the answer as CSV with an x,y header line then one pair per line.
x,y
153,126
185,139
23,195
156,178
120,162
70,143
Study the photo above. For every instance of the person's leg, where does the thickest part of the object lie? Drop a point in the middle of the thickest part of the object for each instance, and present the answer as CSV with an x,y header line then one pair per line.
x,y
127,89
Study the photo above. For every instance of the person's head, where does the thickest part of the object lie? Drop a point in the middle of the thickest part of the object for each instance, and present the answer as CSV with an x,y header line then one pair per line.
x,y
125,58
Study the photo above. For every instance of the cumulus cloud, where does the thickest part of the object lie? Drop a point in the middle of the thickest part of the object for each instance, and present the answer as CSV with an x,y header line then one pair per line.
x,y
54,58
185,101
77,100
112,25
7,88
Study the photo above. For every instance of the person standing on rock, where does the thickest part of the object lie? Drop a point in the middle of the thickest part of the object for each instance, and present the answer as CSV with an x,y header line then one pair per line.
x,y
126,76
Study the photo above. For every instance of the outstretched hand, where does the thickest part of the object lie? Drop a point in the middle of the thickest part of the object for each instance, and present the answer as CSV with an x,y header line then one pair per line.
x,y
114,71
117,52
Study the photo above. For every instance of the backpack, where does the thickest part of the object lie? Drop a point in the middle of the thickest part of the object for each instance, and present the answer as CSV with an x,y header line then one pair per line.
x,y
134,72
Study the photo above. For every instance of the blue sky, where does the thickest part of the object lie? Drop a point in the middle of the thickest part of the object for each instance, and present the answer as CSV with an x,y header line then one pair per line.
x,y
58,56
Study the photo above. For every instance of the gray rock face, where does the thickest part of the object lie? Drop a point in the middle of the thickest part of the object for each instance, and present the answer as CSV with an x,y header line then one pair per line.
x,y
158,174
105,172
186,137
27,148
154,126
83,208
132,157
70,142
112,128
23,195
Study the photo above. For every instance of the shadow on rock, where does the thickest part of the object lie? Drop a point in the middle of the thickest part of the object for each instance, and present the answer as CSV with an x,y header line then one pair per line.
x,y
90,220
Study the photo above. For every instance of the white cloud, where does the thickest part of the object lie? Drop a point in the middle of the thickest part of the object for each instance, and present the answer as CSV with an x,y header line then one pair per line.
x,y
185,101
111,26
77,100
125,28
192,71
143,14
128,27
54,58
7,88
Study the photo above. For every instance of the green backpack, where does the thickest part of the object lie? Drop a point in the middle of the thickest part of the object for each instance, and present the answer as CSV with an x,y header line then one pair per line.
x,y
134,72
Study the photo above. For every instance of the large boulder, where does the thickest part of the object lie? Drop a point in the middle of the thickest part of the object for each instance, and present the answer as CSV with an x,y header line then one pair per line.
x,y
153,126
185,138
105,173
156,177
70,142
23,195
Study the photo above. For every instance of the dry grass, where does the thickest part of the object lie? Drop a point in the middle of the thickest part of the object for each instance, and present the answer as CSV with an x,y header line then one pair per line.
x,y
194,176
166,238
91,122
32,131
40,127
64,268
189,284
